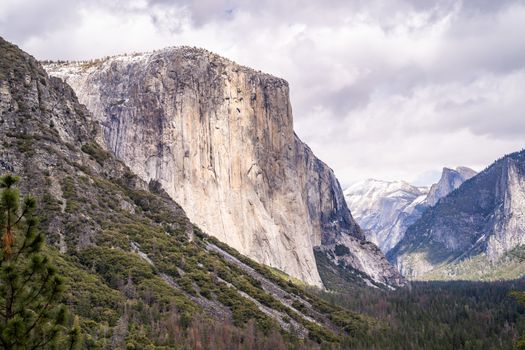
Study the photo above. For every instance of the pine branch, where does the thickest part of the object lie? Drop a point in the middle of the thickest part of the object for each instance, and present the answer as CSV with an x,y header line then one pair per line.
x,y
4,344
33,298
9,302
24,212
25,282
44,343
8,237
24,244
30,284
39,316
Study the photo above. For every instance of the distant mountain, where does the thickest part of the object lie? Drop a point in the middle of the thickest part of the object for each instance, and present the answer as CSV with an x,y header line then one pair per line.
x,y
450,180
386,209
474,231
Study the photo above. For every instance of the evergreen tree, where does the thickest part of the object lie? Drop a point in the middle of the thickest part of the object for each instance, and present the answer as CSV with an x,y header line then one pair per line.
x,y
30,288
520,296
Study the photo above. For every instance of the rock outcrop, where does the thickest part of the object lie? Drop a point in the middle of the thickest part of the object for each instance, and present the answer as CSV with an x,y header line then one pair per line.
x,y
485,217
450,180
219,139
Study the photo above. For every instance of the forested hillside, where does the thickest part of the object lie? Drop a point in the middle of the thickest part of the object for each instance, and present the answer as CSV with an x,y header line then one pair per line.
x,y
442,315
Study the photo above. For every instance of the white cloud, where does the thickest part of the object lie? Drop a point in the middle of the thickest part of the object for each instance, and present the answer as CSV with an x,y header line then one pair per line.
x,y
386,89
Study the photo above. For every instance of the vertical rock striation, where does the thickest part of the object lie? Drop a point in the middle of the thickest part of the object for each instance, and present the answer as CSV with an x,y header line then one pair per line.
x,y
219,138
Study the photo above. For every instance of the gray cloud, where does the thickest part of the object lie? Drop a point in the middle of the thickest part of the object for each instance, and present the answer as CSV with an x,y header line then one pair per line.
x,y
24,19
348,98
203,11
392,89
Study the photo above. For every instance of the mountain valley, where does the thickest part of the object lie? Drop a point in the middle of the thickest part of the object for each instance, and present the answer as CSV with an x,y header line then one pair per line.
x,y
183,212
218,137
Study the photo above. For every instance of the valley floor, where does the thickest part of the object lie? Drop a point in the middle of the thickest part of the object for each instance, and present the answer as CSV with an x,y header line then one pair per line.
x,y
441,315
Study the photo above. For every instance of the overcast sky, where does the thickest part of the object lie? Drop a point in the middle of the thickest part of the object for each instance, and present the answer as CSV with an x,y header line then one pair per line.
x,y
392,89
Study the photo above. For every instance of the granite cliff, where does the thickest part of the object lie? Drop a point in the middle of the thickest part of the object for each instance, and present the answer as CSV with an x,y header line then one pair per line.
x,y
450,180
138,273
470,232
219,139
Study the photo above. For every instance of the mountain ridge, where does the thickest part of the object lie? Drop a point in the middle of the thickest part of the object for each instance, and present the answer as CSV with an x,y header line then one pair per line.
x,y
386,209
482,218
383,208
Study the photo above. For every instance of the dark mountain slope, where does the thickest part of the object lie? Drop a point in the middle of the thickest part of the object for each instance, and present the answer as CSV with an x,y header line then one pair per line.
x,y
483,219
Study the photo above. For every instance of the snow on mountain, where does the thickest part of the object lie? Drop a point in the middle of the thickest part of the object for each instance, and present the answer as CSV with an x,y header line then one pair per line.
x,y
385,209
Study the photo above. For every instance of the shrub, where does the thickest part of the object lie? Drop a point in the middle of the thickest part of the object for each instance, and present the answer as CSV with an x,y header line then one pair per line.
x,y
341,250
95,151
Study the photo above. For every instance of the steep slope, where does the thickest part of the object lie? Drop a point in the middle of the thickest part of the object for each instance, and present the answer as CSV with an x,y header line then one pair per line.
x,y
219,139
140,274
472,229
384,209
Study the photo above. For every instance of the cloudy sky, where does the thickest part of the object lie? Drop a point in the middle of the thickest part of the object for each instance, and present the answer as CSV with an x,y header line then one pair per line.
x,y
391,89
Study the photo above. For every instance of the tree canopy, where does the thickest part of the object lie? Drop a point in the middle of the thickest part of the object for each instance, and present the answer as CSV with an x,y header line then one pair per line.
x,y
31,316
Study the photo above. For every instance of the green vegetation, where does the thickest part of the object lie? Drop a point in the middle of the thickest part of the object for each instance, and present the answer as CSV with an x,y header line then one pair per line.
x,y
30,288
136,280
440,315
518,254
94,150
520,296
430,315
480,268
141,245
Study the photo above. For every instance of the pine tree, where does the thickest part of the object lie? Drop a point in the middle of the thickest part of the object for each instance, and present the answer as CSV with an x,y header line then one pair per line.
x,y
30,287
520,296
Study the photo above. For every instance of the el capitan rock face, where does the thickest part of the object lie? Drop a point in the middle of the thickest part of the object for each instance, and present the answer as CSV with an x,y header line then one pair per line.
x,y
219,138
104,226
